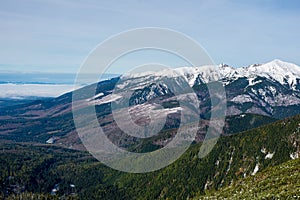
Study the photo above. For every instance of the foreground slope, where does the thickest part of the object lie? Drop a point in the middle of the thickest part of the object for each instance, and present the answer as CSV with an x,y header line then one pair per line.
x,y
278,182
235,157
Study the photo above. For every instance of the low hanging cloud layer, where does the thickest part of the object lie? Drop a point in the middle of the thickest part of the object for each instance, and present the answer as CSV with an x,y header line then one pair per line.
x,y
23,91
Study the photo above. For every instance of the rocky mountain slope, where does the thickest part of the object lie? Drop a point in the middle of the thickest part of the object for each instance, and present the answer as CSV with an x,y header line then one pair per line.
x,y
261,88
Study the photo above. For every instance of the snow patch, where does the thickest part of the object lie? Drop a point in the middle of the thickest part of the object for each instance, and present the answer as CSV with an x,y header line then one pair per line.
x,y
294,155
96,96
263,150
252,81
269,155
273,90
255,169
51,140
230,162
107,99
242,98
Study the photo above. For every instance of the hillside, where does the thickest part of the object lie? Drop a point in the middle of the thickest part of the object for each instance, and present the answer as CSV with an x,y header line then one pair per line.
x,y
38,169
278,182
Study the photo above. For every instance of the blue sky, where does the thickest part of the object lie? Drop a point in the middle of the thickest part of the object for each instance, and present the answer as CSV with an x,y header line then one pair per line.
x,y
57,35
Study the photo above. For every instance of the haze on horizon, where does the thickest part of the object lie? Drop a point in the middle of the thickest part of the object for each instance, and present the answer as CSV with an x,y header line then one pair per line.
x,y
57,35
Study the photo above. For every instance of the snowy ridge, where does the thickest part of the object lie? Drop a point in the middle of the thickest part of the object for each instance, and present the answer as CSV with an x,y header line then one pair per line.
x,y
283,72
261,88
276,70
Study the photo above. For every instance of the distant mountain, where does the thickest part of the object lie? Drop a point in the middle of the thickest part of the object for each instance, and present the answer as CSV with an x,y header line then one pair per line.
x,y
271,90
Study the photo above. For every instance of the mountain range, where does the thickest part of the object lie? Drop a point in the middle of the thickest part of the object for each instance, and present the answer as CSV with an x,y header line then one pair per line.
x,y
260,88
271,90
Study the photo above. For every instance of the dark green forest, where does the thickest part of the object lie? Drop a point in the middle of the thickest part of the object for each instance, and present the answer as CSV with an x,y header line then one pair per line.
x,y
29,169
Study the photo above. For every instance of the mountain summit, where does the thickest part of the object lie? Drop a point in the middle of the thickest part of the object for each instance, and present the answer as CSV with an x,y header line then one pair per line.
x,y
283,72
277,70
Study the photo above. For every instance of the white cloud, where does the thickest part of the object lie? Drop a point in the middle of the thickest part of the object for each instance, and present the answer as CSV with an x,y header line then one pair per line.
x,y
33,90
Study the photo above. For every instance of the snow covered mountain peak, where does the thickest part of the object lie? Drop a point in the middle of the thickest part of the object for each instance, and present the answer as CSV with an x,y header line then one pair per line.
x,y
284,66
274,66
283,72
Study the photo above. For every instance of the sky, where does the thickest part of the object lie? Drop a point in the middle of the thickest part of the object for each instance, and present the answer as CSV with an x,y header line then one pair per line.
x,y
57,35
